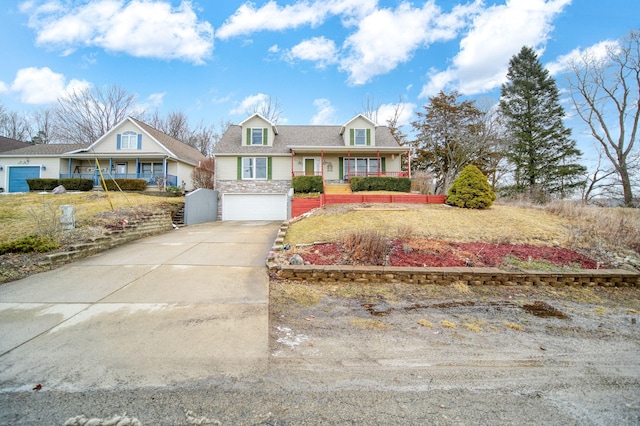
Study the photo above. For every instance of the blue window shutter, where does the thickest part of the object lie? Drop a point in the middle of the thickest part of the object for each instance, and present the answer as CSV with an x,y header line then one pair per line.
x,y
269,168
118,141
368,136
341,167
239,168
139,141
352,136
248,136
265,132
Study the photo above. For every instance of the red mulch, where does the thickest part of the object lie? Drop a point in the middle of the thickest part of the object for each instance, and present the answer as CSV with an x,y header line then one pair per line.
x,y
435,253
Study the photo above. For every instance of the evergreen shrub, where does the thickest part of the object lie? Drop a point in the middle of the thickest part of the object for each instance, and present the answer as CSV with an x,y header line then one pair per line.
x,y
380,183
306,184
125,184
471,190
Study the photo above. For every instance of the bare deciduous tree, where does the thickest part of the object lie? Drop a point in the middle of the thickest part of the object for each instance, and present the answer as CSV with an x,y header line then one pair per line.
x,y
269,108
14,126
606,96
43,124
202,175
370,108
84,116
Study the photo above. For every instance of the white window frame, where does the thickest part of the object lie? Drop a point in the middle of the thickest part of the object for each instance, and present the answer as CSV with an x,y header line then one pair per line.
x,y
129,140
250,168
360,137
255,131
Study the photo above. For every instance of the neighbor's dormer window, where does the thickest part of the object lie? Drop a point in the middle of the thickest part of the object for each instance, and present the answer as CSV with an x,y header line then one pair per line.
x,y
129,140
360,137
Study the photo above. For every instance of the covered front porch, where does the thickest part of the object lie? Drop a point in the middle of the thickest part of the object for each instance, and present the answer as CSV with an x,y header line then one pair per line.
x,y
339,165
155,171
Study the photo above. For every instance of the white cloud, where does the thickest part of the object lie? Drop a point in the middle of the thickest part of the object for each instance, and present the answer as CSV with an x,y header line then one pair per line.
x,y
318,49
325,112
40,86
271,17
387,38
497,33
249,104
597,52
139,28
388,111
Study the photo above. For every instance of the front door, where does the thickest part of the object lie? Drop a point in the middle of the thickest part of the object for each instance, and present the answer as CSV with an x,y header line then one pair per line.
x,y
309,166
121,169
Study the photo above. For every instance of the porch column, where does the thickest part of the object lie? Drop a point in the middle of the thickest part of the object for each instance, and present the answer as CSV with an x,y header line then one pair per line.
x,y
292,172
409,163
69,161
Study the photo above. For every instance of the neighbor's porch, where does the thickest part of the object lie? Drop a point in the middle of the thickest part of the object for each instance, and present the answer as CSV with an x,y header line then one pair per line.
x,y
153,170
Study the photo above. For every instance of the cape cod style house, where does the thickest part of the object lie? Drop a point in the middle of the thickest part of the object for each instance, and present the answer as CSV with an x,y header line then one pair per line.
x,y
132,149
256,160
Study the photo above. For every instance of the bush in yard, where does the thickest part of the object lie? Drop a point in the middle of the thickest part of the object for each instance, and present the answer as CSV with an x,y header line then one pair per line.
x,y
125,184
471,190
380,183
76,184
29,244
302,184
367,247
40,184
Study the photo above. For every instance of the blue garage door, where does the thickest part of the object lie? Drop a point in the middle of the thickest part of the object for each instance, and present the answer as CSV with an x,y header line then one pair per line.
x,y
18,176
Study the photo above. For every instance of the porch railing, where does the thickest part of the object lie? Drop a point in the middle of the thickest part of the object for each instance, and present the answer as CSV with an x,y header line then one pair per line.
x,y
151,178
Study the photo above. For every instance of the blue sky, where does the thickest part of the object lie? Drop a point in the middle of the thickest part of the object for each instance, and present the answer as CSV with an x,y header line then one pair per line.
x,y
320,59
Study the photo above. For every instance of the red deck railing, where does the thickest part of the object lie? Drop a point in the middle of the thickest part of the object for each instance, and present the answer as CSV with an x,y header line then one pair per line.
x,y
300,206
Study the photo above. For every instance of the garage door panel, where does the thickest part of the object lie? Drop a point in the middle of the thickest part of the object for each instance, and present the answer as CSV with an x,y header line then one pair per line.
x,y
18,177
254,206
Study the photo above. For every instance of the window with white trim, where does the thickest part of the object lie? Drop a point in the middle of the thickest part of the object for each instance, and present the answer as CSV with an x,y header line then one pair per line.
x,y
256,136
254,168
129,140
360,137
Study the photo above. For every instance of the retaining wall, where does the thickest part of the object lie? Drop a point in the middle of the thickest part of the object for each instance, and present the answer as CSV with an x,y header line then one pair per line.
x,y
151,224
445,276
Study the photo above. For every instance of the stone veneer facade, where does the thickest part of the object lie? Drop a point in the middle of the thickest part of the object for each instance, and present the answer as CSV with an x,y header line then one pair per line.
x,y
253,186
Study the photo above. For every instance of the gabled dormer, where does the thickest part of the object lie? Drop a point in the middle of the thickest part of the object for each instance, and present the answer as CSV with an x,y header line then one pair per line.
x,y
257,130
359,131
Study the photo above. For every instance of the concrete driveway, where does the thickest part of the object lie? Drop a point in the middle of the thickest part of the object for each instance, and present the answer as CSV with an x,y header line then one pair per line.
x,y
186,305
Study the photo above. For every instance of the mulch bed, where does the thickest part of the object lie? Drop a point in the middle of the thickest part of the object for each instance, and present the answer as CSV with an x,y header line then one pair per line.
x,y
436,253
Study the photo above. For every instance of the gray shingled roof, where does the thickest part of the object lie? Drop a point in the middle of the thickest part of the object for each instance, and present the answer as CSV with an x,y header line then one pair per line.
x,y
8,144
181,150
46,149
311,136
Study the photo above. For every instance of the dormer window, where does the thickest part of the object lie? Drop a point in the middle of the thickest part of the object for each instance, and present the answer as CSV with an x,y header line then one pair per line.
x,y
257,137
360,137
129,140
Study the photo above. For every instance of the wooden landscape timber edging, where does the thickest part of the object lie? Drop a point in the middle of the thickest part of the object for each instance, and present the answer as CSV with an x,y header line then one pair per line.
x,y
444,276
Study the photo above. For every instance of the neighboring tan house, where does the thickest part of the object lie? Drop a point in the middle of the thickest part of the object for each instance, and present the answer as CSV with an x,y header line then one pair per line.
x,y
256,160
132,149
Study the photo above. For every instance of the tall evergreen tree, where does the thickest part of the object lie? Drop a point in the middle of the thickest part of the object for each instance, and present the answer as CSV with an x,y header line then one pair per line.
x,y
541,151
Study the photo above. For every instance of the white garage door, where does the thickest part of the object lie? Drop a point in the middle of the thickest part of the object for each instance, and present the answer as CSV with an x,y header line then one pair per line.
x,y
254,206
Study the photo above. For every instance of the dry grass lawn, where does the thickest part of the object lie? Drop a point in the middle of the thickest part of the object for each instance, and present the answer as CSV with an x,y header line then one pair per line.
x,y
500,223
21,214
